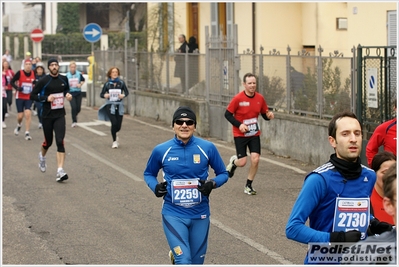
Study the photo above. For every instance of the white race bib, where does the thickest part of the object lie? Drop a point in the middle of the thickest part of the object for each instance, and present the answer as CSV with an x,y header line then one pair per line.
x,y
73,82
114,94
58,101
27,88
185,192
352,214
253,127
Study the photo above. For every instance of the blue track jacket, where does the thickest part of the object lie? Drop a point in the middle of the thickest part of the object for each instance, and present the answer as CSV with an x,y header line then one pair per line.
x,y
317,198
185,161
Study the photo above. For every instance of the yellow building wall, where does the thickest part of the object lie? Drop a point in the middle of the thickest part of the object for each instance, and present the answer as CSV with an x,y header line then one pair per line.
x,y
204,20
277,26
180,27
297,24
369,26
326,35
309,23
243,19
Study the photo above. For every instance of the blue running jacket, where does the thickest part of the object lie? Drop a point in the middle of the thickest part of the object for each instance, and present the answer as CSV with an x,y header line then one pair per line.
x,y
180,161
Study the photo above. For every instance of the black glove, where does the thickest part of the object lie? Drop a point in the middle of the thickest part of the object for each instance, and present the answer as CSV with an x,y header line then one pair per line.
x,y
376,227
160,189
350,236
20,89
206,187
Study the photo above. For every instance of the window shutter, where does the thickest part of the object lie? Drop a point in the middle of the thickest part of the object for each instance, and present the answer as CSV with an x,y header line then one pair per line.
x,y
230,19
392,28
214,20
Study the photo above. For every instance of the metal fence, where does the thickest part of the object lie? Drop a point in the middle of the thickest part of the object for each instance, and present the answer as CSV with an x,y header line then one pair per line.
x,y
167,73
316,86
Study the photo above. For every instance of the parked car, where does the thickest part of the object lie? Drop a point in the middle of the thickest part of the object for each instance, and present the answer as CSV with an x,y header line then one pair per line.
x,y
80,66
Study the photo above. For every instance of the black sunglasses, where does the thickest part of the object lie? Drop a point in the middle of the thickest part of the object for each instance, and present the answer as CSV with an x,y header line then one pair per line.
x,y
181,122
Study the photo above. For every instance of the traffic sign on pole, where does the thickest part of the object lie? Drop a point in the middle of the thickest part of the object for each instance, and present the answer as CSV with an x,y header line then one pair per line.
x,y
37,35
92,32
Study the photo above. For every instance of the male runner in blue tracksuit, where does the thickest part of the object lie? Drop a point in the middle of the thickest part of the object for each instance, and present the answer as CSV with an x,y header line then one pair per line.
x,y
343,176
184,161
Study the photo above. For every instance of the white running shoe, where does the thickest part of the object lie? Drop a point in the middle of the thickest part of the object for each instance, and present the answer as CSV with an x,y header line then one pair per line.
x,y
249,190
4,125
74,125
231,167
27,137
40,126
16,131
61,176
42,163
7,115
115,144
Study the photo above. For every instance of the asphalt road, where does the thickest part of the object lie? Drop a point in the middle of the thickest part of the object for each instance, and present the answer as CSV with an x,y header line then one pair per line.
x,y
106,214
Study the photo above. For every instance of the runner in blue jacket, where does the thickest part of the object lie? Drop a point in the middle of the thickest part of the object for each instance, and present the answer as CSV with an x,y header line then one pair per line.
x,y
343,176
186,186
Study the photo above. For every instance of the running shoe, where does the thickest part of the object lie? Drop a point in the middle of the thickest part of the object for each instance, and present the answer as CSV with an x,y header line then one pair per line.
x,y
249,190
7,115
27,137
74,125
42,163
231,167
40,126
115,144
172,257
61,176
16,131
4,125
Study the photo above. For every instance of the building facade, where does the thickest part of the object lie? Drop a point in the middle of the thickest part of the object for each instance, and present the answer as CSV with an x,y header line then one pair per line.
x,y
335,26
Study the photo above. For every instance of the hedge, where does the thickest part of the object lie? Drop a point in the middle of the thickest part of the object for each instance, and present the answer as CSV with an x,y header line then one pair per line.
x,y
73,43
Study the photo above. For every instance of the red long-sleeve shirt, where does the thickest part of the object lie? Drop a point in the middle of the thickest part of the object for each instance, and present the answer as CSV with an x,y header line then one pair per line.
x,y
384,135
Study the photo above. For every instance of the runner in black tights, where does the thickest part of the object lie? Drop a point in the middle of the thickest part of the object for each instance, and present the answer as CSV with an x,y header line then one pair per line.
x,y
50,91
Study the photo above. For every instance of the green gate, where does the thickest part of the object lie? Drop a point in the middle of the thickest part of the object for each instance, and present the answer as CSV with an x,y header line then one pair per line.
x,y
376,88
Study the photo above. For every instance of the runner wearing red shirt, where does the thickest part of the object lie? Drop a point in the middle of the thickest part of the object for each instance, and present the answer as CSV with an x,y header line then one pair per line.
x,y
384,135
380,164
23,83
243,112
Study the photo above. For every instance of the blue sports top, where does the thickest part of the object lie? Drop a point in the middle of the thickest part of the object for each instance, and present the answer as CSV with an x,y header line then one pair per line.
x,y
185,161
317,198
74,80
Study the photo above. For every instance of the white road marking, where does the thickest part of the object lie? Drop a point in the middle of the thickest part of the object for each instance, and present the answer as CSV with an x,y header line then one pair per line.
x,y
85,125
115,167
232,149
251,242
